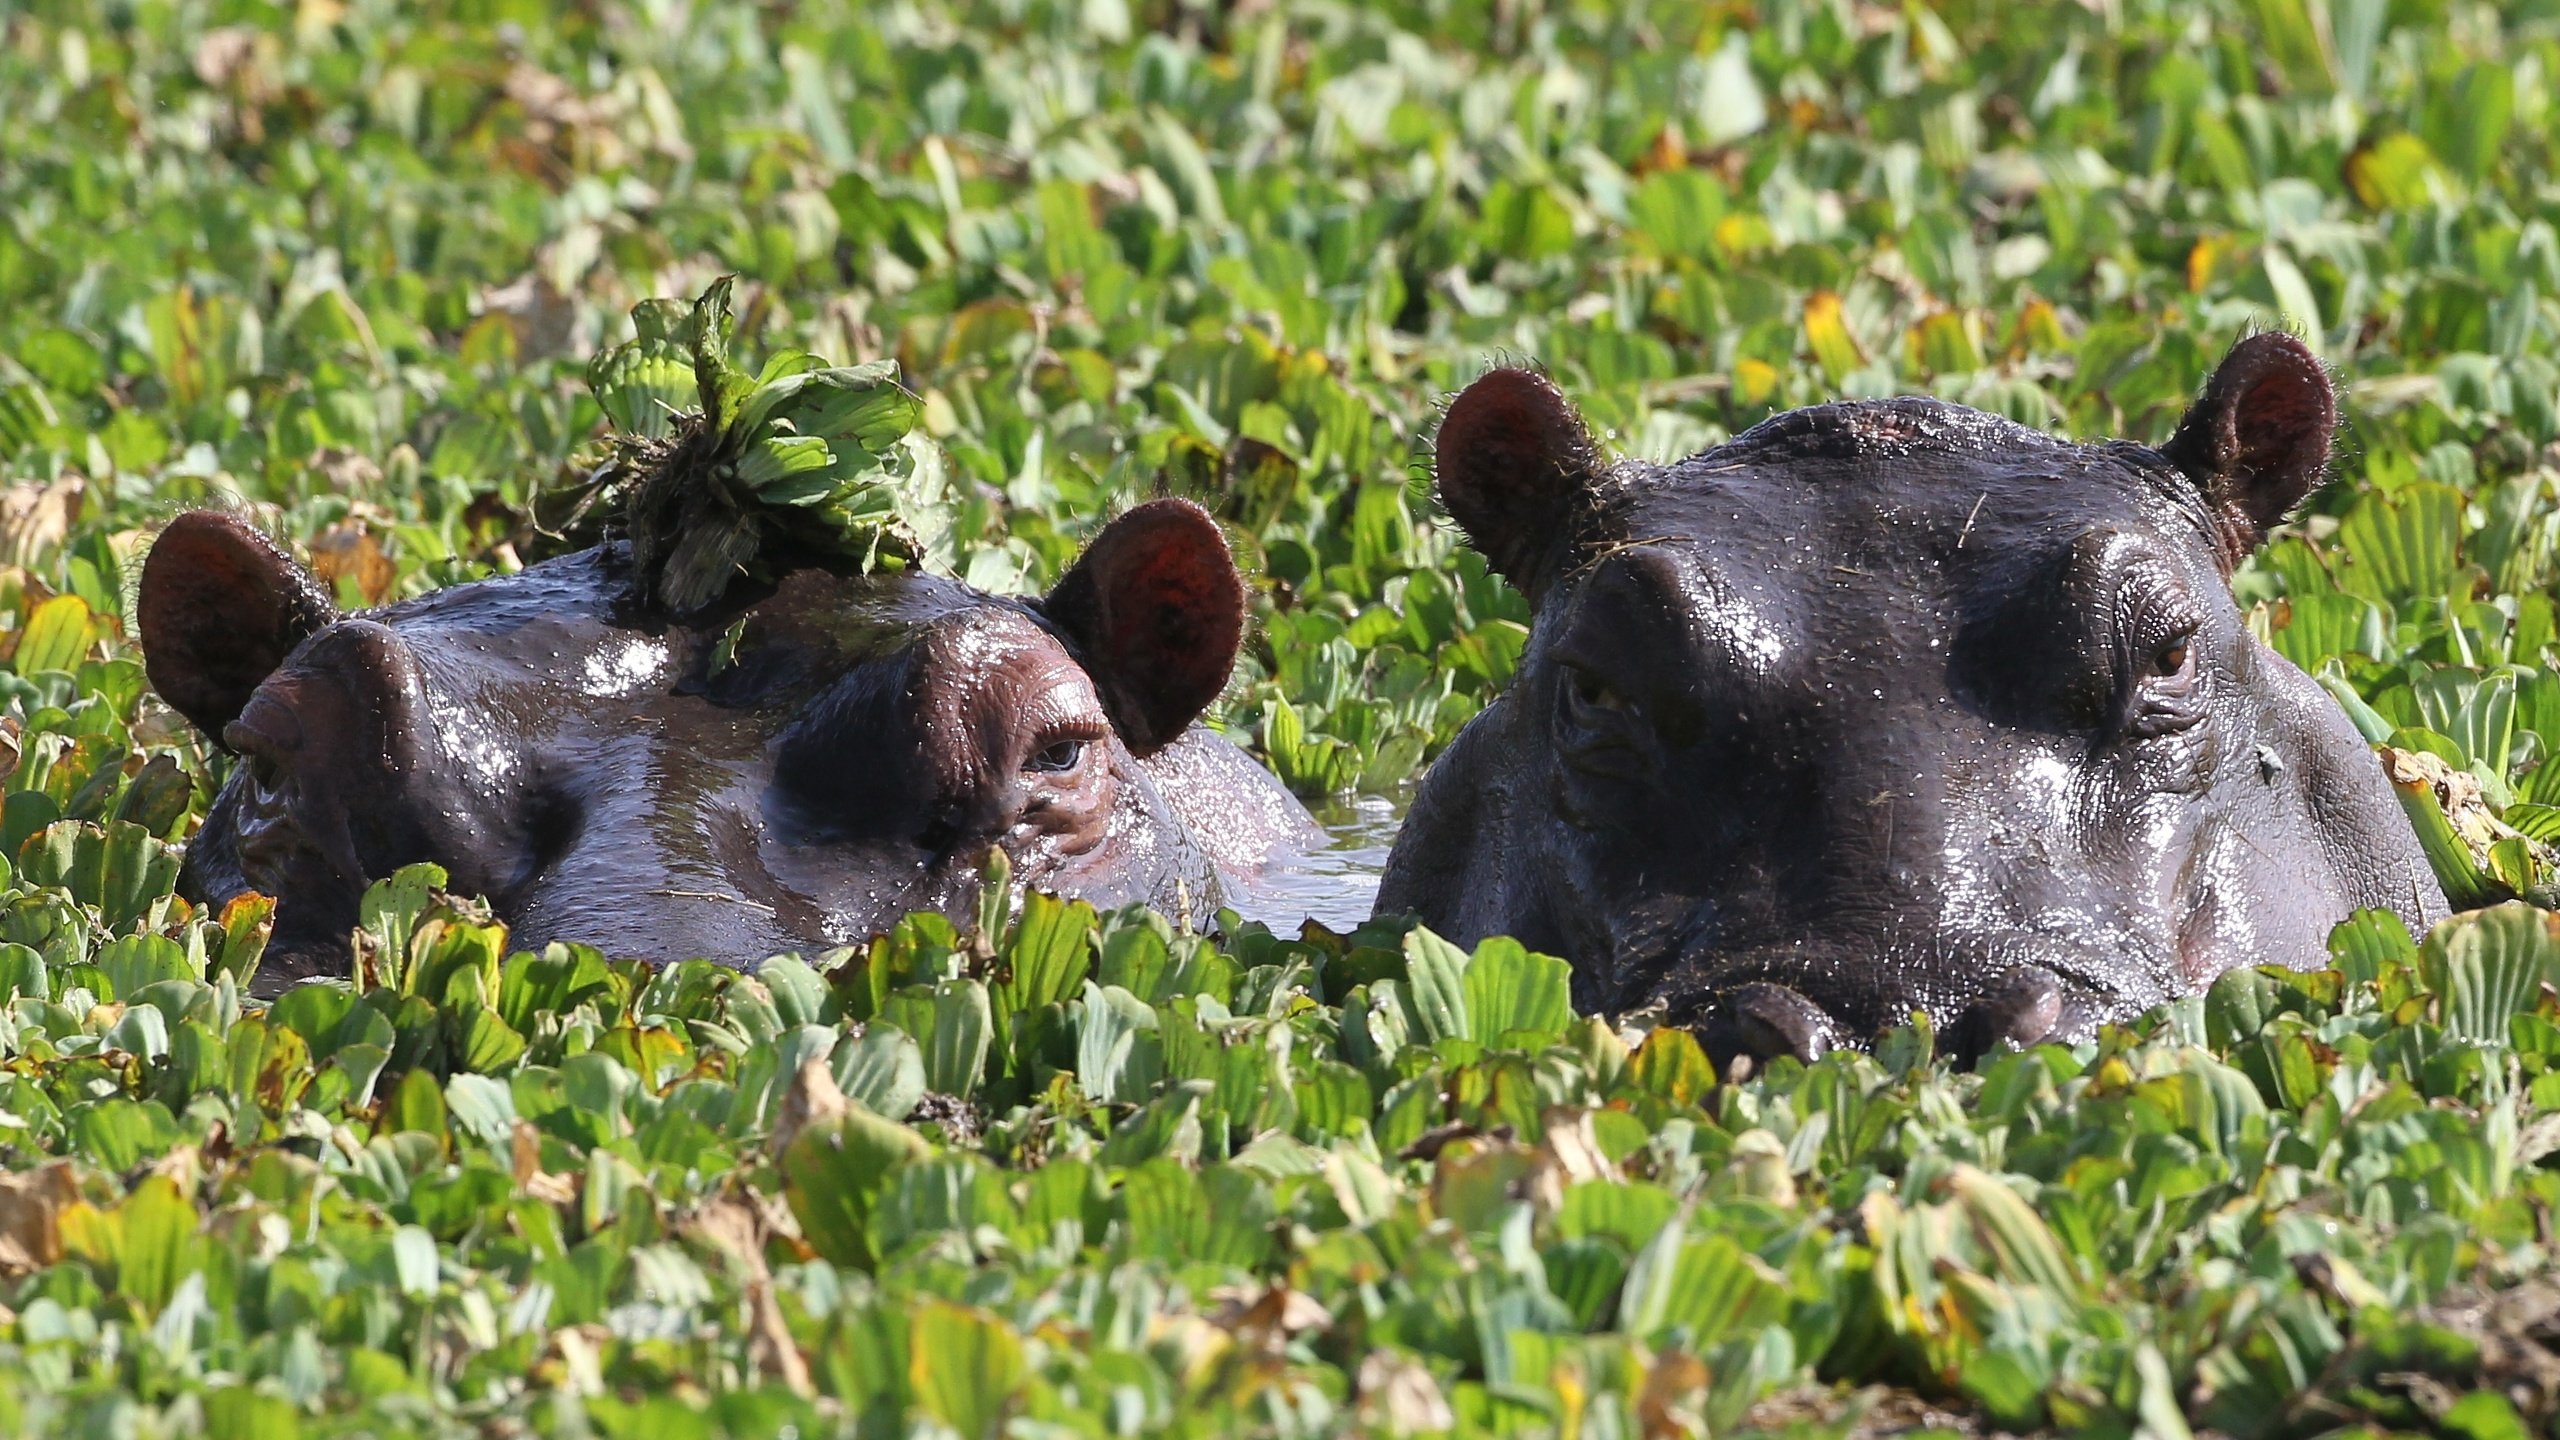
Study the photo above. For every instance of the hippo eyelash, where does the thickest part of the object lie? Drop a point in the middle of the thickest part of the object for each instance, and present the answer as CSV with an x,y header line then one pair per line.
x,y
1060,754
2165,699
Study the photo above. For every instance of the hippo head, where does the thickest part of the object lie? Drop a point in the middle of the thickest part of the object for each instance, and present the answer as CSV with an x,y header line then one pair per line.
x,y
798,768
1893,706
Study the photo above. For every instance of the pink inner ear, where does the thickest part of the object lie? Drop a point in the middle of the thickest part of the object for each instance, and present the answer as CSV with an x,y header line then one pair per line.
x,y
1505,419
1511,456
218,610
2257,441
1156,610
2284,416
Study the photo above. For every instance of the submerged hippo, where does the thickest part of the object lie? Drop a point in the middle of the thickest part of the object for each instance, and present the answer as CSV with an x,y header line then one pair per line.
x,y
1894,705
795,768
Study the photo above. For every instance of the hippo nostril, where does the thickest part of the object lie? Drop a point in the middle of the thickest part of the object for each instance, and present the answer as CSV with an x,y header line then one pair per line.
x,y
2020,1008
1761,1021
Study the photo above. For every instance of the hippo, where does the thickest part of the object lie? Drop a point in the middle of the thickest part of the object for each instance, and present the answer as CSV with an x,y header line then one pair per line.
x,y
1893,706
795,767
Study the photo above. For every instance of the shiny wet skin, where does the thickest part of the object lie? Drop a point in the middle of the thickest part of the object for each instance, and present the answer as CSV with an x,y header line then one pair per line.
x,y
1894,706
792,769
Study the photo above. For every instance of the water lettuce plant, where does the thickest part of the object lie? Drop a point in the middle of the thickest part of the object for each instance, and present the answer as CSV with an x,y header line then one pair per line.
x,y
1083,1173
711,469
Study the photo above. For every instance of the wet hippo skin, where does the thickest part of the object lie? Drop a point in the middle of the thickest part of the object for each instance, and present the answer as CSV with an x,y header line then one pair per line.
x,y
1893,706
795,769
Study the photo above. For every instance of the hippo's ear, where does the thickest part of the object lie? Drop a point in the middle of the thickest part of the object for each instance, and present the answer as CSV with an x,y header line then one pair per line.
x,y
1515,463
1155,610
2258,438
219,609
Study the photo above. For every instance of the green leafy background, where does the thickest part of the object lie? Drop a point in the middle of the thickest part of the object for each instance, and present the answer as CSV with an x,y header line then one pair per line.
x,y
1066,1173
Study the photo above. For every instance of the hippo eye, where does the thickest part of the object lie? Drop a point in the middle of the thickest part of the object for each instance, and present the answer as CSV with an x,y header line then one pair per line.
x,y
2173,657
2166,698
1590,692
1596,727
1059,756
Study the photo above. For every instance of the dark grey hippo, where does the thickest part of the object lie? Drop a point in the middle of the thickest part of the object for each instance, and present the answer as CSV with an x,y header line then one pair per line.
x,y
1892,706
797,767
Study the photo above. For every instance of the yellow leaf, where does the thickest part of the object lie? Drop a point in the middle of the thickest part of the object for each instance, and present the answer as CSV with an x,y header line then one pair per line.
x,y
1944,344
2024,1249
90,1235
1826,332
1754,381
1738,235
57,636
2039,331
2396,172
2202,258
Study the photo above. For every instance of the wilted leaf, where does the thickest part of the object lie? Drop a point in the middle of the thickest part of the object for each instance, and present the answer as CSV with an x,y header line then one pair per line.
x,y
31,1203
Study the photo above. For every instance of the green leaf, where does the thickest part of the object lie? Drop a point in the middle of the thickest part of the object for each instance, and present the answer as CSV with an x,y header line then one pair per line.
x,y
2467,121
1168,1125
954,1024
2403,544
883,1069
1111,1064
389,914
56,636
1046,956
1435,989
706,337
966,1367
799,993
2487,966
159,1245
643,387
1510,990
23,972
834,1171
120,870
414,1266
2320,626
2370,943
483,1042
417,1106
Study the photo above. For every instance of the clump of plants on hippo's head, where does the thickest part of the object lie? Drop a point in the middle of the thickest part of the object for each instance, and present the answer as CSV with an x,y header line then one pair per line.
x,y
710,468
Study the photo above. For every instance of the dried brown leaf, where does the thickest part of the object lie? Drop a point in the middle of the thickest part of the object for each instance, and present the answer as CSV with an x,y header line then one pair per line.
x,y
769,1342
31,1205
524,1146
1667,1407
813,1096
35,520
348,552
1399,1397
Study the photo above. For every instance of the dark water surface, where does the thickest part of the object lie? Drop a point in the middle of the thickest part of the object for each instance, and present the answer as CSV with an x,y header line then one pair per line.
x,y
1336,885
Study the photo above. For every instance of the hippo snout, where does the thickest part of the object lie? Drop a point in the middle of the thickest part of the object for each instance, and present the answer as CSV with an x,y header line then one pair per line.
x,y
1805,1004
